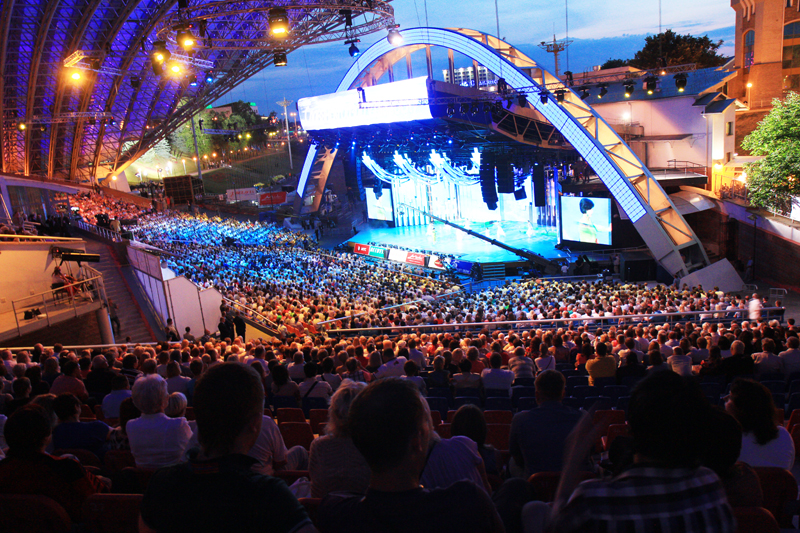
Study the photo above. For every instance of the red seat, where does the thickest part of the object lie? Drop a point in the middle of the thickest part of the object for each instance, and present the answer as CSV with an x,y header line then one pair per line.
x,y
436,417
112,513
544,484
98,413
755,520
311,505
290,476
614,431
794,419
450,415
87,412
297,434
290,414
85,457
780,415
603,418
24,513
498,417
497,435
189,413
444,431
318,419
115,460
779,487
131,480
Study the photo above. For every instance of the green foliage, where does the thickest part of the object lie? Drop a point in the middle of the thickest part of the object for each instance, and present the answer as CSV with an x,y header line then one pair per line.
x,y
613,63
677,50
774,180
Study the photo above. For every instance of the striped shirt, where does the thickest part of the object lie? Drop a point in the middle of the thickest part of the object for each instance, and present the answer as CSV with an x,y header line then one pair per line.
x,y
647,498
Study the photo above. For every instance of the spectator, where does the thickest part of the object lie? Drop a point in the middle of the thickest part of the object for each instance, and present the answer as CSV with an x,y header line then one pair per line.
x,y
603,365
679,362
791,357
632,366
118,439
311,387
335,465
175,381
70,381
412,375
439,377
738,364
537,437
218,483
391,427
120,390
767,362
495,377
466,379
156,440
72,433
22,395
176,405
469,422
29,470
764,443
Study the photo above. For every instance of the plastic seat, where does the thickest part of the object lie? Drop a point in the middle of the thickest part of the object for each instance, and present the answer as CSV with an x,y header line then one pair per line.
x,y
472,392
615,391
526,404
98,413
575,403
755,520
582,391
779,399
524,382
311,505
779,487
296,434
131,480
464,400
498,404
600,383
614,431
794,386
575,381
281,402
544,484
497,393
794,419
289,414
440,392
87,411
772,376
310,403
436,418
712,390
497,435
116,460
444,431
775,386
85,457
436,403
794,403
622,403
450,414
498,417
111,513
25,513
598,402
521,392
630,381
721,380
318,418
780,415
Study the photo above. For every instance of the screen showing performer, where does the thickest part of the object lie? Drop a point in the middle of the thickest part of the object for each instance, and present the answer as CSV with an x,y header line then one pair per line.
x,y
380,208
586,219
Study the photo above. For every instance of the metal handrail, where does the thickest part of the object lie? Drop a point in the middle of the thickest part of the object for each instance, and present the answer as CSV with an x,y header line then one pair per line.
x,y
243,307
82,346
560,322
40,238
406,304
103,232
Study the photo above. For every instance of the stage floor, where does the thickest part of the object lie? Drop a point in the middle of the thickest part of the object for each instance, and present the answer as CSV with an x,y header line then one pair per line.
x,y
439,237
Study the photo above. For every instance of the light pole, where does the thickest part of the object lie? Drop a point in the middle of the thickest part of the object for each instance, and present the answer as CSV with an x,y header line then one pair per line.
x,y
749,86
184,166
294,117
284,103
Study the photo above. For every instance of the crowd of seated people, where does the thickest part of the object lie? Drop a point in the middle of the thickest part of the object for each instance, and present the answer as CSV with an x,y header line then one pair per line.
x,y
99,209
382,441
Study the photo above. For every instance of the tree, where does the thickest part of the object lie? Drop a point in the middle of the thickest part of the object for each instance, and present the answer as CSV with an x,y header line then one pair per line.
x,y
677,49
775,180
614,63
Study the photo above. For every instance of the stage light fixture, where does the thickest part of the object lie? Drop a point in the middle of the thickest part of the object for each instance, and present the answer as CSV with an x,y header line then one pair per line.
x,y
680,81
75,75
175,68
353,50
560,93
451,110
22,126
603,90
186,40
394,37
584,92
498,107
487,107
650,84
474,109
209,77
522,101
160,54
279,57
278,21
193,83
463,109
136,82
629,87
543,97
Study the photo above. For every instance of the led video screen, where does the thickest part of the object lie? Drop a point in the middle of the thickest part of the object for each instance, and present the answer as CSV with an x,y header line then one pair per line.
x,y
586,220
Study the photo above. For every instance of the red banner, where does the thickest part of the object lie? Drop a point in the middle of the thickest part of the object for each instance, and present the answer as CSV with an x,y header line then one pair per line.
x,y
415,259
361,249
272,198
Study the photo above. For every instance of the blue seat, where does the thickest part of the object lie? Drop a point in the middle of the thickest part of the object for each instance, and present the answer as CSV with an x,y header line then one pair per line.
x,y
720,380
712,390
604,382
582,391
576,381
575,403
630,381
437,403
772,376
310,403
280,402
497,393
775,386
498,404
524,382
598,402
561,367
794,387
441,392
468,391
622,403
615,391
526,403
519,392
464,400
794,403
779,400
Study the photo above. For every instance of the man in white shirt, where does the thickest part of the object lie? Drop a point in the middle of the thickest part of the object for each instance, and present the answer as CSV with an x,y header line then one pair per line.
x,y
311,387
120,390
791,357
392,366
680,363
495,377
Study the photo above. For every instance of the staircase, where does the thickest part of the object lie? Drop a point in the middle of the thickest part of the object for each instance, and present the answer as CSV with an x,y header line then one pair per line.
x,y
132,317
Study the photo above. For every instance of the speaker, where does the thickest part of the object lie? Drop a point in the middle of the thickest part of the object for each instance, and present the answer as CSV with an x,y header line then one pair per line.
x,y
505,177
539,199
80,257
182,189
488,189
519,194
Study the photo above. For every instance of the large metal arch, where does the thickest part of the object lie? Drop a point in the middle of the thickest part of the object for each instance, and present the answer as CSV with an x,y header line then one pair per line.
x,y
670,239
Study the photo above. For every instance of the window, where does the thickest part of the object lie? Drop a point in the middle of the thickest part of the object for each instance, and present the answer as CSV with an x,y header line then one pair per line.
x,y
749,45
791,56
729,128
791,82
792,30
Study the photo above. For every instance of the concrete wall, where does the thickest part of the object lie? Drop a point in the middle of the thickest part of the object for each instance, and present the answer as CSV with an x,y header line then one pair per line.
x,y
27,268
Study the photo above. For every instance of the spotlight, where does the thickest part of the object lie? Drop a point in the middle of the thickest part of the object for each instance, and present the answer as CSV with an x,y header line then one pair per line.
x,y
560,95
354,51
175,68
629,86
76,75
209,76
193,83
278,22
522,101
650,84
680,81
584,92
136,82
186,40
160,54
543,97
42,128
394,37
279,57
474,109
487,107
603,90
464,108
498,107
451,110
22,126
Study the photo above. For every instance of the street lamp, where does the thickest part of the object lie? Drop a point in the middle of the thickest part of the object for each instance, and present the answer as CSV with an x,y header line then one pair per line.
x,y
749,86
284,103
184,165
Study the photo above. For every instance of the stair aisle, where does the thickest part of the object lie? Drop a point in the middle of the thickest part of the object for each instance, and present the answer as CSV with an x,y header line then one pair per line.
x,y
132,320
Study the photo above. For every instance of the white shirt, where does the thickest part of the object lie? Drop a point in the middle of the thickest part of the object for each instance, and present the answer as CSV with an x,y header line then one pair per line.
x,y
112,401
177,384
392,369
320,390
268,448
778,452
157,440
496,378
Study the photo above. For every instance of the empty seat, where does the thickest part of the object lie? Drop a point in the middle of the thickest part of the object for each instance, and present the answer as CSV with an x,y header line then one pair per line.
x,y
775,386
526,403
615,391
290,414
794,403
111,513
116,460
498,417
85,457
472,392
575,403
520,392
280,402
297,434
525,382
438,404
772,376
755,520
582,391
498,404
614,431
779,487
310,403
444,431
497,435
630,381
712,390
497,393
465,400
318,418
87,412
24,513
576,380
598,402
599,383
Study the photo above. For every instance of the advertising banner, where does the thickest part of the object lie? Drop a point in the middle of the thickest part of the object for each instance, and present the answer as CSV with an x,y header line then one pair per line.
x,y
242,195
272,198
361,248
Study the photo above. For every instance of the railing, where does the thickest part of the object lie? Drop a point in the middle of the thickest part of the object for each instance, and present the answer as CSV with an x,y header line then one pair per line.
x,y
84,288
77,347
263,320
597,322
406,304
36,238
97,230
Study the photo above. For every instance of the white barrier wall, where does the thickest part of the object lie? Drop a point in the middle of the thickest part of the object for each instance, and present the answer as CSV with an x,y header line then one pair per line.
x,y
192,307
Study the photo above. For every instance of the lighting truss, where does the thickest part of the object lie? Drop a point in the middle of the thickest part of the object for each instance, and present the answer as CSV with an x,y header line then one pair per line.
x,y
458,175
379,171
69,117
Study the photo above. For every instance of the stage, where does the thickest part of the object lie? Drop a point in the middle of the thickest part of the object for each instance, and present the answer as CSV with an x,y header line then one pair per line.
x,y
443,239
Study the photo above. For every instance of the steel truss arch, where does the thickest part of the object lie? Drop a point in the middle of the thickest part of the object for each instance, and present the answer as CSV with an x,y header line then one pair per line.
x,y
670,239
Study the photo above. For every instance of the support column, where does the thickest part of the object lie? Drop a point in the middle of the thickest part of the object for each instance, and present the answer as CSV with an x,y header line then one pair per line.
x,y
104,322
